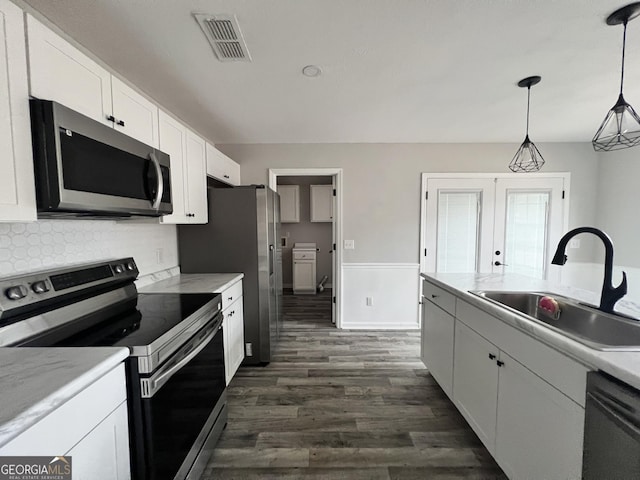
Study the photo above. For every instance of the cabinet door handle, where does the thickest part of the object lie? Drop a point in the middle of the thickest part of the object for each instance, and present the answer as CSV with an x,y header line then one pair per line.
x,y
226,176
111,118
434,296
492,356
121,123
500,363
230,298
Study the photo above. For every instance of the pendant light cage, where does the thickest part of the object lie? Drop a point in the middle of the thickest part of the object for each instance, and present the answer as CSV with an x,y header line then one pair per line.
x,y
621,127
528,158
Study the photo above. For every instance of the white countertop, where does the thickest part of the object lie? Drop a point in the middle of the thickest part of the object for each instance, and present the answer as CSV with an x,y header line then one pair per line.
x,y
35,381
193,283
623,365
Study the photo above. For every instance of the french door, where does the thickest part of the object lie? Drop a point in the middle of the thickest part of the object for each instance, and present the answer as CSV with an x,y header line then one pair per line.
x,y
488,223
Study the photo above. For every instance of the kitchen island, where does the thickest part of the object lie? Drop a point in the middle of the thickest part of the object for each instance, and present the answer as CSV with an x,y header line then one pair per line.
x,y
520,385
623,365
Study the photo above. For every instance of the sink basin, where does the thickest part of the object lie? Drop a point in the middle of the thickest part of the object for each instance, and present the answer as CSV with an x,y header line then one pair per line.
x,y
581,322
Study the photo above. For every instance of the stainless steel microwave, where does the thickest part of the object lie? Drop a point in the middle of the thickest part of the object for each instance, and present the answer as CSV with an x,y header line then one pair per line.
x,y
86,169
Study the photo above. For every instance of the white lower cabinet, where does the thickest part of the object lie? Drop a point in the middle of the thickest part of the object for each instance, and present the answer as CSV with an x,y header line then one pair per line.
x,y
437,344
234,335
91,427
99,455
475,383
532,429
304,276
524,400
539,430
233,327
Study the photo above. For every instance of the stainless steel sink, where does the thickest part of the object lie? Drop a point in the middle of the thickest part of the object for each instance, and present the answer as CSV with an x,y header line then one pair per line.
x,y
576,320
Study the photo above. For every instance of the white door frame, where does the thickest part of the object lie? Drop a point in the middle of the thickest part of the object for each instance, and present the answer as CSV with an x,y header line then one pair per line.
x,y
336,173
423,201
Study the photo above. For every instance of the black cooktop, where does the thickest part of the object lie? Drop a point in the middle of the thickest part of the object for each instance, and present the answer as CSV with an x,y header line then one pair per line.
x,y
137,323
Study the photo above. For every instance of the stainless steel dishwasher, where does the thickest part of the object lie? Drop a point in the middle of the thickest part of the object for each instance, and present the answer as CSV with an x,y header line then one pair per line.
x,y
612,429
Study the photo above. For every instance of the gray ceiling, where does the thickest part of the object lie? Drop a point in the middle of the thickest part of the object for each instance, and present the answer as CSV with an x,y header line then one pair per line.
x,y
393,71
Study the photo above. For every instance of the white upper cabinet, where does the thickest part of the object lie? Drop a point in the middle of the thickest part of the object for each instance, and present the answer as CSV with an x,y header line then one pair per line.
x,y
321,203
61,72
173,141
221,167
17,195
196,178
188,175
133,114
289,203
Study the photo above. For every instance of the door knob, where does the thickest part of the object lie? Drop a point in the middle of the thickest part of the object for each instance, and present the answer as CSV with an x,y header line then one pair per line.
x,y
497,264
498,252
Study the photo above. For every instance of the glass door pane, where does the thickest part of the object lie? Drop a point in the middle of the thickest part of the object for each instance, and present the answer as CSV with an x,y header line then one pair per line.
x,y
526,233
458,225
529,222
458,229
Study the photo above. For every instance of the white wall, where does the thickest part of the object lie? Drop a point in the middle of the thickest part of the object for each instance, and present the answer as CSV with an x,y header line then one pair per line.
x,y
618,205
381,200
45,244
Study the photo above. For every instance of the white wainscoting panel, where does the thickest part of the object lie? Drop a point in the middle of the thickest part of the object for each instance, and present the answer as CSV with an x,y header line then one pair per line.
x,y
393,289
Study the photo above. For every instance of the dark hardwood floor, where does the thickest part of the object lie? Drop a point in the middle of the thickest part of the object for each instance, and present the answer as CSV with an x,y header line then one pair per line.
x,y
338,404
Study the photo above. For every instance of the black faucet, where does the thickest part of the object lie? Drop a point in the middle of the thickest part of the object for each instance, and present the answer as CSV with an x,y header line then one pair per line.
x,y
610,294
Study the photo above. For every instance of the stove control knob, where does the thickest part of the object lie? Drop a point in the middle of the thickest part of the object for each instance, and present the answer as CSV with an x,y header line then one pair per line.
x,y
131,266
119,268
40,287
16,293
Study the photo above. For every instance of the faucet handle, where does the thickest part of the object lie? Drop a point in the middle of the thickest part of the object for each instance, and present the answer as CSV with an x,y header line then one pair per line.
x,y
622,288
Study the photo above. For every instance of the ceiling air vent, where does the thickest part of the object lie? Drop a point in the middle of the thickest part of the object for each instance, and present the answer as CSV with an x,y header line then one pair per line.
x,y
223,33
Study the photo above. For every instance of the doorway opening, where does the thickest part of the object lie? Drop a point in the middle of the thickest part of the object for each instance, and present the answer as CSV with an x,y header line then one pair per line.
x,y
309,237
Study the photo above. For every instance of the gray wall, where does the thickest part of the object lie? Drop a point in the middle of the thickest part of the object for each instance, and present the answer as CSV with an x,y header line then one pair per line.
x,y
618,206
381,204
306,231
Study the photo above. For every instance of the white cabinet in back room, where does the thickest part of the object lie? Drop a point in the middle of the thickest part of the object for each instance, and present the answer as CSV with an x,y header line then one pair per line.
x,y
221,167
289,203
188,176
62,73
17,194
321,203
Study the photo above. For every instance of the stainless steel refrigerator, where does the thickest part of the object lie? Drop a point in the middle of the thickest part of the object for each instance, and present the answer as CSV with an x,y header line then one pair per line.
x,y
242,236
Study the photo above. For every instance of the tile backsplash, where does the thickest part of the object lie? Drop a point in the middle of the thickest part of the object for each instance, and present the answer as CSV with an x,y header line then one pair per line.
x,y
44,244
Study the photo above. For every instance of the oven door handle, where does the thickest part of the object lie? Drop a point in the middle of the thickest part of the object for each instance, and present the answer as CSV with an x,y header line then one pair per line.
x,y
156,382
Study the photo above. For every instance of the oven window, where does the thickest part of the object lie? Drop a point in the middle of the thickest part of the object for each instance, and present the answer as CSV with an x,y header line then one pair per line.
x,y
95,167
175,415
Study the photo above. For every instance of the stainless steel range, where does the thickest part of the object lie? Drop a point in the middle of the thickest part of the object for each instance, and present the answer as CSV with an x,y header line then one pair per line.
x,y
175,374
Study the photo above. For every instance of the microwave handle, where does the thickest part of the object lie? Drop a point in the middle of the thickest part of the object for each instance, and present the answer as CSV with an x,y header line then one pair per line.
x,y
156,202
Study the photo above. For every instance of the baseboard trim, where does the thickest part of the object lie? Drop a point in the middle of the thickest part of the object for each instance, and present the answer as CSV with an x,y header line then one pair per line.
x,y
381,326
381,265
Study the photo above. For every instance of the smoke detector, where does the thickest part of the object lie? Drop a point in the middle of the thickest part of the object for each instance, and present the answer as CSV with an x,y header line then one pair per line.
x,y
224,35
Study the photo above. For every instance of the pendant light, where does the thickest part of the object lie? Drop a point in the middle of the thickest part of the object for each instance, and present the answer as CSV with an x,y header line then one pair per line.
x,y
621,127
528,158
